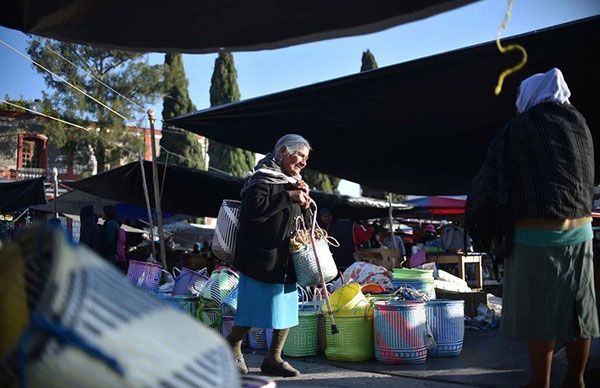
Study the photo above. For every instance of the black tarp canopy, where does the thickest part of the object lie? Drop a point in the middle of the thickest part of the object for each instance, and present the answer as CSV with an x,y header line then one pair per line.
x,y
420,127
21,194
210,25
200,193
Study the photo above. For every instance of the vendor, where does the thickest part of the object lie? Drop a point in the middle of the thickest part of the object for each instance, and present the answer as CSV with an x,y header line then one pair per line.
x,y
429,234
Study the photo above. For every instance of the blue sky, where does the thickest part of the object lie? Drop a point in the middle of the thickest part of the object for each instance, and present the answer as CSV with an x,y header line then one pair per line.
x,y
264,72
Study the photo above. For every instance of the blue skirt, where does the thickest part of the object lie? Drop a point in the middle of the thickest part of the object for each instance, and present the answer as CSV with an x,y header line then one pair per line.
x,y
266,305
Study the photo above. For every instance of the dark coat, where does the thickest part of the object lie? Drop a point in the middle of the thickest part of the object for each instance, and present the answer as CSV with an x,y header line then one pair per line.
x,y
266,223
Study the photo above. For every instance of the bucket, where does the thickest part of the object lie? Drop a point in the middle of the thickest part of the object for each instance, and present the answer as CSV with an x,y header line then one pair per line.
x,y
401,330
446,319
305,263
226,230
354,342
189,282
144,274
347,301
302,339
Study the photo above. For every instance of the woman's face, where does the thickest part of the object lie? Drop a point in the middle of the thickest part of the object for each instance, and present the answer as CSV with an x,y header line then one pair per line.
x,y
292,164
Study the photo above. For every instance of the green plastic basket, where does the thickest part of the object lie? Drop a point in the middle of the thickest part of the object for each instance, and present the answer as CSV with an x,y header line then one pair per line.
x,y
411,273
354,342
302,339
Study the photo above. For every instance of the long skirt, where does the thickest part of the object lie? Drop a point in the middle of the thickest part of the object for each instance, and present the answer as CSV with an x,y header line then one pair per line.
x,y
549,293
266,305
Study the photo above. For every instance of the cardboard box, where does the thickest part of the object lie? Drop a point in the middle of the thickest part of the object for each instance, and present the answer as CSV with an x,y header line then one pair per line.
x,y
386,258
472,299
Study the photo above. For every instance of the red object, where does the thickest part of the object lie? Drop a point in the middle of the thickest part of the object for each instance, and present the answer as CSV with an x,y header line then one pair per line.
x,y
362,234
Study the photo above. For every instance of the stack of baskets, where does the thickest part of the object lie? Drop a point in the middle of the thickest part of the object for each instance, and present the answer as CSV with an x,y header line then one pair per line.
x,y
419,279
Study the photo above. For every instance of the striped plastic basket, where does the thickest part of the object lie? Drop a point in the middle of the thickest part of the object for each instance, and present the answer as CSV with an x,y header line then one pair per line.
x,y
220,284
144,274
305,264
227,322
229,305
210,316
257,338
187,304
302,339
400,332
226,230
446,318
354,342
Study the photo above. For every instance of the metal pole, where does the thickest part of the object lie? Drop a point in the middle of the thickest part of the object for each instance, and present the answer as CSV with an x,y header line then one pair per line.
x,y
159,221
391,219
55,182
148,208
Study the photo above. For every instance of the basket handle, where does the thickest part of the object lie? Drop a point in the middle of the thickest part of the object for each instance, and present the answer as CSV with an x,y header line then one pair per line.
x,y
175,268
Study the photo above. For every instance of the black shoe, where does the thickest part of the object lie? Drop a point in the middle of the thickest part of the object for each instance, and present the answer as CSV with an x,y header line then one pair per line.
x,y
282,369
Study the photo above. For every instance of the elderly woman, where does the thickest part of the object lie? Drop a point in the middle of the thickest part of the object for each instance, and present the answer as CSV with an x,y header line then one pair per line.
x,y
535,191
273,196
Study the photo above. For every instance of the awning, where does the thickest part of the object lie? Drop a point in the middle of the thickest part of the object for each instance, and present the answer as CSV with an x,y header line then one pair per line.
x,y
202,26
200,193
73,201
21,194
420,127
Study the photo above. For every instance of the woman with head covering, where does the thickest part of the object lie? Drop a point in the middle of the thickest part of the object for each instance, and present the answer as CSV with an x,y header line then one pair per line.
x,y
272,197
534,194
88,232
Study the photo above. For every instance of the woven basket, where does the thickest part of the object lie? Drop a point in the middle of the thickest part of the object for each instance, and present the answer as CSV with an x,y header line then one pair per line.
x,y
145,274
227,322
189,282
305,264
226,230
229,305
302,339
187,304
220,284
257,338
354,342
210,316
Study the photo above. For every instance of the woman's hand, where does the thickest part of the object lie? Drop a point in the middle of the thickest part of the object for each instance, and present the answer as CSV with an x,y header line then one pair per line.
x,y
303,186
300,197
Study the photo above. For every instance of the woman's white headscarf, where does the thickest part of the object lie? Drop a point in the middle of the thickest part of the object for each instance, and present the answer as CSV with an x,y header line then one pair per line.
x,y
542,87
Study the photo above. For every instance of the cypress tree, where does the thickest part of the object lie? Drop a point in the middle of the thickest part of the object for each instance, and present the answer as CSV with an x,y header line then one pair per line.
x,y
368,61
176,102
224,89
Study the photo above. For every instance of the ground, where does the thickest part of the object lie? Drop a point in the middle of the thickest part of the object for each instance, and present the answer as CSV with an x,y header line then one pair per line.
x,y
487,360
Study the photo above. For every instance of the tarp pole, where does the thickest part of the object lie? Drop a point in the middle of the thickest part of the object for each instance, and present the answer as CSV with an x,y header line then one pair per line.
x,y
148,208
159,220
391,218
55,184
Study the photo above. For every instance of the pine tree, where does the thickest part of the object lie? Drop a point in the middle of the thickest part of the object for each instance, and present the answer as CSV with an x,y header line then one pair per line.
x,y
177,102
224,89
128,73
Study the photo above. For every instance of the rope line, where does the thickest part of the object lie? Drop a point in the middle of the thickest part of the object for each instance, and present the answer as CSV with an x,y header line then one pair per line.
x,y
510,47
63,80
91,75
